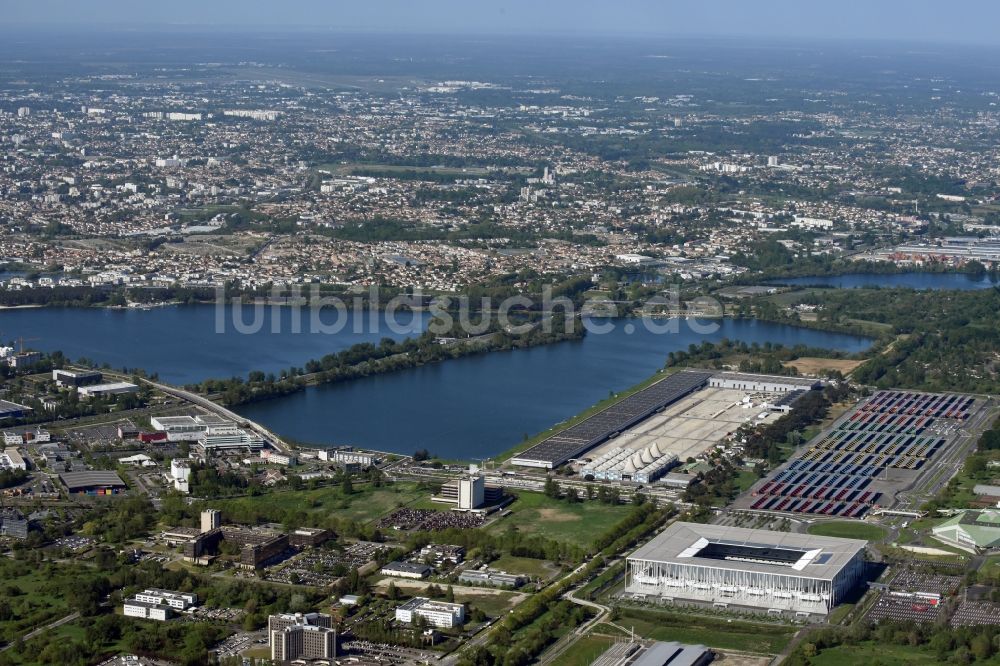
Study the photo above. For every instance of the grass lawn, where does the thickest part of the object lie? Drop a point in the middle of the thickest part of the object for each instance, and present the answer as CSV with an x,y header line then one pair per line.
x,y
989,569
745,479
493,604
874,328
848,529
366,504
955,556
524,565
577,523
490,601
584,651
718,632
257,653
874,654
840,612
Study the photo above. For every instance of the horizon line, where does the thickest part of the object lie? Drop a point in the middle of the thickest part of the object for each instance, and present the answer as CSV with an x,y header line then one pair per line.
x,y
294,28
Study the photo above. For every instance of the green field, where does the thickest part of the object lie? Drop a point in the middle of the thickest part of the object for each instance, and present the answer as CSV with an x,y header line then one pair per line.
x,y
848,529
493,604
719,632
35,595
578,523
365,504
584,651
524,565
877,654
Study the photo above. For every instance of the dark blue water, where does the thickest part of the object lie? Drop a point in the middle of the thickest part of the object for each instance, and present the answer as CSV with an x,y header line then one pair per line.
x,y
942,281
479,406
468,408
186,344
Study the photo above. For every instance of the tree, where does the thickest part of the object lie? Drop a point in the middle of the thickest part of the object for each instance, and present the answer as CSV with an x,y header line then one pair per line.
x,y
551,488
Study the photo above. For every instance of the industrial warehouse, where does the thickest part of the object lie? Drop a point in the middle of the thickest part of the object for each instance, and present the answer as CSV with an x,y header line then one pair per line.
x,y
642,437
763,571
607,423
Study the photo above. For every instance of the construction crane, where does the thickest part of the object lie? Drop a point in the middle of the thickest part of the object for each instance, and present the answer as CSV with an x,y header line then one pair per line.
x,y
20,343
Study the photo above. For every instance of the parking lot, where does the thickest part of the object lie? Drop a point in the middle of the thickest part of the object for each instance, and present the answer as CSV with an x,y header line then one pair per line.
x,y
241,641
322,567
975,613
876,450
903,609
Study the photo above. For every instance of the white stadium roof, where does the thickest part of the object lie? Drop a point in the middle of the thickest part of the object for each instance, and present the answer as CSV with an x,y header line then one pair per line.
x,y
742,549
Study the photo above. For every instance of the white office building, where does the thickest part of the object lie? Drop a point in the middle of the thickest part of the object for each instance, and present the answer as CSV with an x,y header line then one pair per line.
x,y
180,474
471,493
146,611
178,428
436,613
175,600
102,390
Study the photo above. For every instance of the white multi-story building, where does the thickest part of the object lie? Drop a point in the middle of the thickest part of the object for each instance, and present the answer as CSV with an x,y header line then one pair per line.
x,y
348,457
175,600
305,636
278,458
178,427
437,613
146,611
228,437
180,474
211,519
778,573
471,493
12,459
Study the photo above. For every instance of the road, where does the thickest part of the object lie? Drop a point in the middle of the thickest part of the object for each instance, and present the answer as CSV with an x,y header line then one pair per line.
x,y
602,612
42,630
567,641
483,636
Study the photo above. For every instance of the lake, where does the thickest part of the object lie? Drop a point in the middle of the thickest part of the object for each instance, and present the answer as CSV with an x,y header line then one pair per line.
x,y
941,281
468,408
480,406
186,344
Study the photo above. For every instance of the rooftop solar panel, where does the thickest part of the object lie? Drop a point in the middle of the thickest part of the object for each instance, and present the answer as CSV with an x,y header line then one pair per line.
x,y
586,434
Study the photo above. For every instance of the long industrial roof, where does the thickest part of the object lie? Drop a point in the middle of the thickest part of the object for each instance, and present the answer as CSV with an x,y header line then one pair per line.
x,y
804,382
91,478
625,413
683,543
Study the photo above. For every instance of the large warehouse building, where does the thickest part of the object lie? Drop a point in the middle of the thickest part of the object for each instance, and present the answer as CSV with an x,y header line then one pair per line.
x,y
733,567
607,423
764,383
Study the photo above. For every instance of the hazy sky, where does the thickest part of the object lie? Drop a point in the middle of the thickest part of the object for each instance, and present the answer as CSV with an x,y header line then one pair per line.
x,y
973,21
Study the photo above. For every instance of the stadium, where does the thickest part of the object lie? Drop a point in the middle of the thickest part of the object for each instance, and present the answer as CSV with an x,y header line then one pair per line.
x,y
745,569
